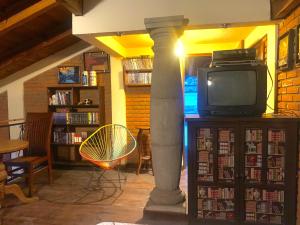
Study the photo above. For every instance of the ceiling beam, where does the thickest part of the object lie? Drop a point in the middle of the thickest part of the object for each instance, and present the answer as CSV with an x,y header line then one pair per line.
x,y
74,6
35,51
25,15
282,8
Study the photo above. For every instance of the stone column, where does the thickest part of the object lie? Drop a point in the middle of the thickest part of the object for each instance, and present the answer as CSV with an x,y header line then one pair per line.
x,y
166,110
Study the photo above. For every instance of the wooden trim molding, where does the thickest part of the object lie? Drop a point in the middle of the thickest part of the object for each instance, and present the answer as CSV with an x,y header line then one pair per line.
x,y
26,14
281,8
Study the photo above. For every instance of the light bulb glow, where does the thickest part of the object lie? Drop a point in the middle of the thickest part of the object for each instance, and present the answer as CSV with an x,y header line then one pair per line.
x,y
209,82
179,49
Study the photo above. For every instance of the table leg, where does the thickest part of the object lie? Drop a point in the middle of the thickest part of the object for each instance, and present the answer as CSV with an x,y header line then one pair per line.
x,y
12,188
16,190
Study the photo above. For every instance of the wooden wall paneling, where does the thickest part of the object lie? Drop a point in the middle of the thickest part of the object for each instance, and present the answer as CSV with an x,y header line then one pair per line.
x,y
35,89
4,131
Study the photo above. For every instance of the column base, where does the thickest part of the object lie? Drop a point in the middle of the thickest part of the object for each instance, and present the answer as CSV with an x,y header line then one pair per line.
x,y
163,197
168,210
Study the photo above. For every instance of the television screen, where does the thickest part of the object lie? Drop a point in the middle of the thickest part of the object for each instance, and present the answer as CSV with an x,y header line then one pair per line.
x,y
231,88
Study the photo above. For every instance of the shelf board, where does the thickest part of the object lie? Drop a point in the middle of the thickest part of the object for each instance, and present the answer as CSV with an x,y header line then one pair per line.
x,y
139,71
73,106
61,144
71,163
138,85
67,87
76,125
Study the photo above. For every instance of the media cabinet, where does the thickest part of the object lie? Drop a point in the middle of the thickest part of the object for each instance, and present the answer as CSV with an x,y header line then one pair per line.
x,y
242,170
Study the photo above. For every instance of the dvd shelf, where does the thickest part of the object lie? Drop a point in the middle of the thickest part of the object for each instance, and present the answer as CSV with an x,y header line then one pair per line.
x,y
205,154
138,71
216,203
276,158
253,155
238,171
226,155
264,206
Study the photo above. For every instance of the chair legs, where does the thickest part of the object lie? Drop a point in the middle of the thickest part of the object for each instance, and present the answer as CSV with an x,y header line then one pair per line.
x,y
30,180
139,166
50,176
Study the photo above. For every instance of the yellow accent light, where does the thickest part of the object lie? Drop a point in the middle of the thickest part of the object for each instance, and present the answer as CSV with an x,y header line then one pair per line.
x,y
179,49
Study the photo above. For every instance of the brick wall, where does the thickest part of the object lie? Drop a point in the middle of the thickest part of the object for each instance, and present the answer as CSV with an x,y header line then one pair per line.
x,y
288,86
137,111
35,89
4,132
289,81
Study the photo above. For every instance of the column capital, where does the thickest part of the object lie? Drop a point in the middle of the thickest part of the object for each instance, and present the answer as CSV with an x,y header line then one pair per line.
x,y
164,22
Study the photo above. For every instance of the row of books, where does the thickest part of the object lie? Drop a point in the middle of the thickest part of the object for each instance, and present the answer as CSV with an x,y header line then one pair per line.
x,y
226,148
141,63
276,161
264,195
69,137
60,98
139,78
253,135
215,205
76,118
204,144
265,207
205,168
275,175
252,147
253,160
263,218
276,149
226,161
226,173
226,135
215,192
276,135
253,174
216,215
205,156
204,133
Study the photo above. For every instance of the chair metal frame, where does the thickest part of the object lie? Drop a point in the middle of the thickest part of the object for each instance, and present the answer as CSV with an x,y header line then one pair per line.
x,y
103,147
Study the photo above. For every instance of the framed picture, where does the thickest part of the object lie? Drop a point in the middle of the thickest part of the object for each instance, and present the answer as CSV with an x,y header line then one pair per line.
x,y
96,61
297,60
68,75
285,51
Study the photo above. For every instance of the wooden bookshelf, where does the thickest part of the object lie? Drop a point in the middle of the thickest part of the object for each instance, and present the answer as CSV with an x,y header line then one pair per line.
x,y
242,170
74,121
137,71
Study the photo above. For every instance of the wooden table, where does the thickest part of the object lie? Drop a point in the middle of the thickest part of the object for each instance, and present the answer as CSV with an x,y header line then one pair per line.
x,y
8,146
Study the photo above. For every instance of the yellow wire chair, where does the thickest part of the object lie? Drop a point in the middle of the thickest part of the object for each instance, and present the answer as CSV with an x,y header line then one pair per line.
x,y
107,146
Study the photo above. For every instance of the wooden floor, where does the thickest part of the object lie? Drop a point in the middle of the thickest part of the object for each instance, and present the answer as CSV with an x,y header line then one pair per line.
x,y
69,202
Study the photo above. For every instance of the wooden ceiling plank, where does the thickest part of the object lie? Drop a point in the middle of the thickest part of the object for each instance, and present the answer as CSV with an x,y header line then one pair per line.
x,y
74,6
26,14
281,8
35,50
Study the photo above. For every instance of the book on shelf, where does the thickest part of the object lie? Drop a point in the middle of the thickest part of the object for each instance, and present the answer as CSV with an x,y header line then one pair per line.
x,y
226,135
139,78
60,98
253,135
264,195
253,174
139,63
276,149
61,137
76,118
276,135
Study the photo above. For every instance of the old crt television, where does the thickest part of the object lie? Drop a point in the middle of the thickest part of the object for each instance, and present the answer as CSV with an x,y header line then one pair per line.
x,y
239,90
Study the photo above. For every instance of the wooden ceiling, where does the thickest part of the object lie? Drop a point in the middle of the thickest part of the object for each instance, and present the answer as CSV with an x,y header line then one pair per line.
x,y
31,30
